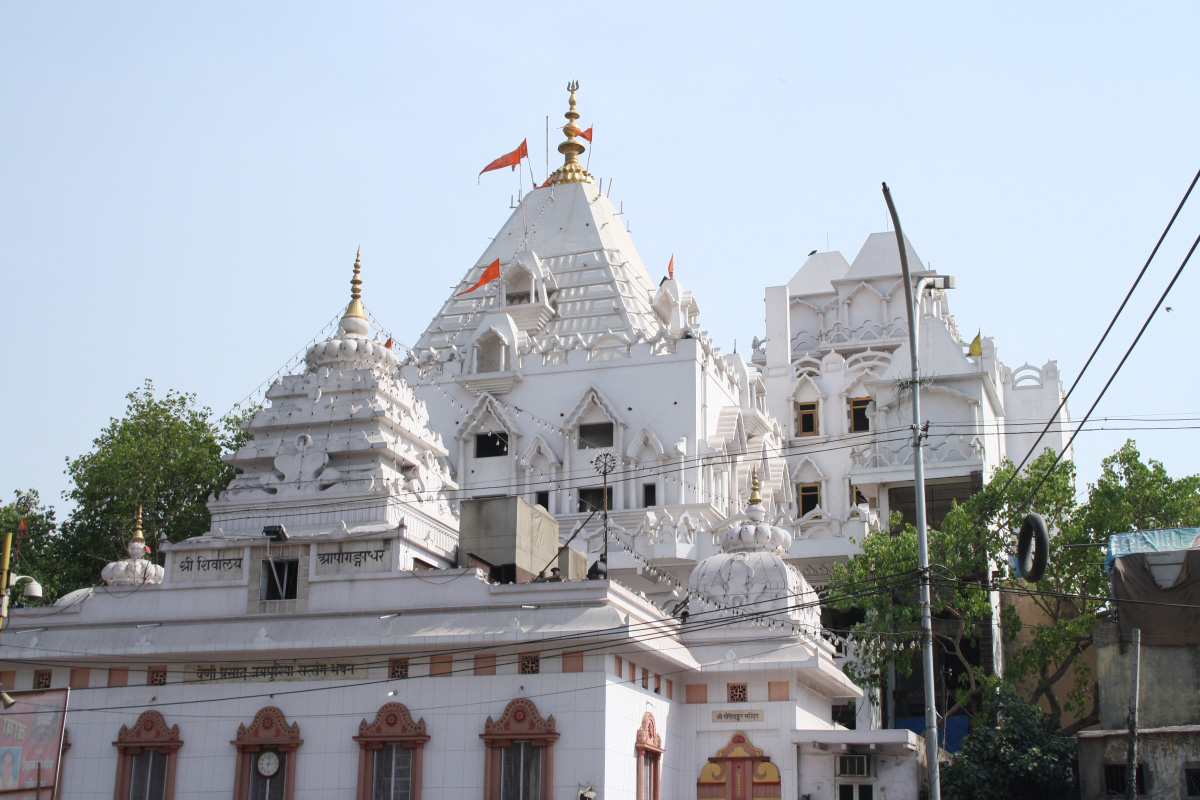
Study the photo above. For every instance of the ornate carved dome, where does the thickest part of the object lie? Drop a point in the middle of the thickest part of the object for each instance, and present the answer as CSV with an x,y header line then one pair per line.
x,y
135,568
751,574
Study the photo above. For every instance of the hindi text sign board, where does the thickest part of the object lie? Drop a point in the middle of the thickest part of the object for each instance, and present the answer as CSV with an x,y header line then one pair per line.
x,y
306,670
355,556
738,716
31,735
191,566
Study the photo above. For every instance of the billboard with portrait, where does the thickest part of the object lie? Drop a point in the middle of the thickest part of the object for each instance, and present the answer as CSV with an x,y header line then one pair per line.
x,y
31,736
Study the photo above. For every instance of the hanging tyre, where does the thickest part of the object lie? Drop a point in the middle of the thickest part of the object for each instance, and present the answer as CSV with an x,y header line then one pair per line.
x,y
1033,548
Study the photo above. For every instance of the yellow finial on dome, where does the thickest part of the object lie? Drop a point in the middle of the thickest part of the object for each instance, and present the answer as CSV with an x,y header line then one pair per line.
x,y
755,488
356,310
571,171
137,528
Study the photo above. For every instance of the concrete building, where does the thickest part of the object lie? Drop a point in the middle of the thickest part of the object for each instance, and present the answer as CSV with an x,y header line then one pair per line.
x,y
1156,588
836,367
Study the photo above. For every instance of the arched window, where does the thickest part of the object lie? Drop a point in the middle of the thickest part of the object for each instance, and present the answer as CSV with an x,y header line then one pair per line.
x,y
649,759
491,353
266,765
147,755
520,754
390,761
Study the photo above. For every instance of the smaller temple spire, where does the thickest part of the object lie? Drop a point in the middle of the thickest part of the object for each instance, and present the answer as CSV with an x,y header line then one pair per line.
x,y
355,318
571,171
137,529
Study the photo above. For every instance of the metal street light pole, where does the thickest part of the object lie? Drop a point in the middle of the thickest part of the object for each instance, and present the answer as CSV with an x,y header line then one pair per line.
x,y
911,298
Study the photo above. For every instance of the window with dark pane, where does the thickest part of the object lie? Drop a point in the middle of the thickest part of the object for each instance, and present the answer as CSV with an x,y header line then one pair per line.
x,y
268,788
859,421
649,495
521,772
599,434
393,773
543,500
592,499
806,419
491,445
809,496
279,579
148,776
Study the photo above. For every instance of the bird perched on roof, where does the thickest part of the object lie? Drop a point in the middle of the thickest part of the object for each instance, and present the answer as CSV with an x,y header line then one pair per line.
x,y
813,253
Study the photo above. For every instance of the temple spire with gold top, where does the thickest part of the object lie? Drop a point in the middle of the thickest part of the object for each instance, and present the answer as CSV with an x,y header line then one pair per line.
x,y
355,318
571,171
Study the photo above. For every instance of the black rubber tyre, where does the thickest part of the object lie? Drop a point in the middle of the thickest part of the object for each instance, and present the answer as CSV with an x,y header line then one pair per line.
x,y
1033,548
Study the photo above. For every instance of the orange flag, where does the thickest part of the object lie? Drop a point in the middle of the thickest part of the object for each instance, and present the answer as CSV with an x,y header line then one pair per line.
x,y
490,274
509,159
586,134
671,268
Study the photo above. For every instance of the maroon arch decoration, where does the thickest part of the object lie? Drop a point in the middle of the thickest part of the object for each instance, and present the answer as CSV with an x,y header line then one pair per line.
x,y
268,730
393,725
648,737
649,748
150,732
519,722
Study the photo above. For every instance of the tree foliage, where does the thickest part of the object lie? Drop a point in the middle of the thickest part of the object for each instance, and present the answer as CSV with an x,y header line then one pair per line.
x,y
1052,622
163,455
32,552
1013,752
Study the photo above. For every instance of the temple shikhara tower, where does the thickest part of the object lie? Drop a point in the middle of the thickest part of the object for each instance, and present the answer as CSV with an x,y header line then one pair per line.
x,y
563,547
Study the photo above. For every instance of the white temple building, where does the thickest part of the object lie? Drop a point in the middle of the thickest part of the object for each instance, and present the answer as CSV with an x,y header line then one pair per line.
x,y
325,639
836,365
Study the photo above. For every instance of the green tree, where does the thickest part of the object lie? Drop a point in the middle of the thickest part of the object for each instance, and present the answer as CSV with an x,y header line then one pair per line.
x,y
1053,621
32,551
1052,663
164,455
974,539
1013,752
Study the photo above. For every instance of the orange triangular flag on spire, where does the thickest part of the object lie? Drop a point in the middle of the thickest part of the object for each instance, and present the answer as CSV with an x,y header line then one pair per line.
x,y
509,159
671,268
490,274
586,134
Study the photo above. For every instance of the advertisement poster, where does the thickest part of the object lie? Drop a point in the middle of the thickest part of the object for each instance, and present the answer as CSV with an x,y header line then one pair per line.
x,y
31,734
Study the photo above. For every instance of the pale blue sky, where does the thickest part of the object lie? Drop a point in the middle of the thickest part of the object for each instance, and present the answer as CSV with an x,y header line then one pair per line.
x,y
183,185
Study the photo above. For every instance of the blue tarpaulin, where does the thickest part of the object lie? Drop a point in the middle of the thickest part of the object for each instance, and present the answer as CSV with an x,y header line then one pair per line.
x,y
1124,544
950,734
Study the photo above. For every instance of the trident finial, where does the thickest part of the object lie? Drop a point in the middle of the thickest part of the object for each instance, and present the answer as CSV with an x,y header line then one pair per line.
x,y
571,171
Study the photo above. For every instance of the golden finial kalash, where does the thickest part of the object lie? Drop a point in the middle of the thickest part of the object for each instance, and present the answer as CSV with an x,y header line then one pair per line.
x,y
354,321
755,489
571,171
355,309
137,528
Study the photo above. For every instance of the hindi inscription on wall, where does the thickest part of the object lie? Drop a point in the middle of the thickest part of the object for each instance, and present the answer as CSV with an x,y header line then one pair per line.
x,y
348,558
305,670
207,565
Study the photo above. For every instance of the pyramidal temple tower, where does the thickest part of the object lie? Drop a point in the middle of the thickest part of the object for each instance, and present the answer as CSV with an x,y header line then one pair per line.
x,y
344,448
559,345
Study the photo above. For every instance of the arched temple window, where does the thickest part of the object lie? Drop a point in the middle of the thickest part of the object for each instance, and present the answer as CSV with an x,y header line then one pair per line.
x,y
266,765
392,752
520,754
147,759
649,759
